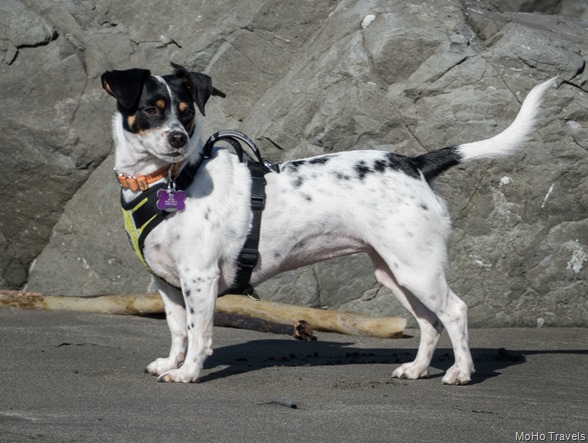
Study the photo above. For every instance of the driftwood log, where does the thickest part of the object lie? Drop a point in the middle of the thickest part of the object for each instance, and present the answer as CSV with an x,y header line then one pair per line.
x,y
232,310
350,323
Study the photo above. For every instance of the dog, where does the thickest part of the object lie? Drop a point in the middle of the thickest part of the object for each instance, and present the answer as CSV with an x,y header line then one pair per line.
x,y
374,202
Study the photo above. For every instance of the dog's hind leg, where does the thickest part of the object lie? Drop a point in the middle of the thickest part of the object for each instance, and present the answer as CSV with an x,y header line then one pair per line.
x,y
175,314
426,293
200,292
430,326
454,315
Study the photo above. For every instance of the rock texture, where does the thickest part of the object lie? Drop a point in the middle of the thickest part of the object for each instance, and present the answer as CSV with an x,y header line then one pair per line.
x,y
567,8
306,78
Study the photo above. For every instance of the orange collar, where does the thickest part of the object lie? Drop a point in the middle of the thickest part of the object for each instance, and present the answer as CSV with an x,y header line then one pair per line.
x,y
142,182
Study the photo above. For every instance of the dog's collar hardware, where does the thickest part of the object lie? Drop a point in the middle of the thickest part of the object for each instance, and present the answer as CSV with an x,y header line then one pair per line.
x,y
170,199
155,203
142,182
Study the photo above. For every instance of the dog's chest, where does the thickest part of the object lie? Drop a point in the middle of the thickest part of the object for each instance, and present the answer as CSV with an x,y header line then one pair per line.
x,y
212,228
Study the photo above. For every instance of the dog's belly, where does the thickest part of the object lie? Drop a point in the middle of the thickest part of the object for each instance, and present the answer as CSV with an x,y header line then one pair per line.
x,y
307,251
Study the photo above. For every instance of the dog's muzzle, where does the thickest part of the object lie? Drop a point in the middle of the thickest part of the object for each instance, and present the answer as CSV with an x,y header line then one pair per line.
x,y
177,139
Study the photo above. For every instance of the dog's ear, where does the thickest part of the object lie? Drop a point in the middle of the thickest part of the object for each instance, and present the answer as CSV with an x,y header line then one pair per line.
x,y
199,85
125,86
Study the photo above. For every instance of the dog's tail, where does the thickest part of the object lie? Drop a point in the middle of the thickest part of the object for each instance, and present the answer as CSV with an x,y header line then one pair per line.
x,y
432,164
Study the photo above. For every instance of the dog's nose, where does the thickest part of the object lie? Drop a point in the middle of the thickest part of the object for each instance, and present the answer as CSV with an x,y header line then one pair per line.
x,y
177,139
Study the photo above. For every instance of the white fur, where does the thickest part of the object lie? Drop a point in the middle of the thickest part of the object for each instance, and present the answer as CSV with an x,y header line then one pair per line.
x,y
515,135
314,211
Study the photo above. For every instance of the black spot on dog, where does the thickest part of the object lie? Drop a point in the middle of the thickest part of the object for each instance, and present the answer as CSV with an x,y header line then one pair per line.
x,y
362,169
402,164
191,310
340,176
319,161
380,165
298,182
424,206
307,197
294,165
188,293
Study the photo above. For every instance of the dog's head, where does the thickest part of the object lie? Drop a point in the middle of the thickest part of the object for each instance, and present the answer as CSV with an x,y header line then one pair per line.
x,y
159,112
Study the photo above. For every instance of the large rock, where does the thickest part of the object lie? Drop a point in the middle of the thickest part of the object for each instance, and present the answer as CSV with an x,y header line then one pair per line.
x,y
568,8
321,78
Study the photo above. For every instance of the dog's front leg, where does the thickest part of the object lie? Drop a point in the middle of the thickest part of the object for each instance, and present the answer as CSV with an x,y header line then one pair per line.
x,y
200,298
175,314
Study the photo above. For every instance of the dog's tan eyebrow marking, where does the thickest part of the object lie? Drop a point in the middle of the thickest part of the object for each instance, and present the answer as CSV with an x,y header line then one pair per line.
x,y
182,106
131,120
160,103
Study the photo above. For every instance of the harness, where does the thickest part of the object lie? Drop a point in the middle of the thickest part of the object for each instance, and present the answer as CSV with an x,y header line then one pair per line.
x,y
142,214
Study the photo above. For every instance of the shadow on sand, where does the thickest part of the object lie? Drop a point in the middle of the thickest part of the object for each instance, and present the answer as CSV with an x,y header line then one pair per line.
x,y
260,354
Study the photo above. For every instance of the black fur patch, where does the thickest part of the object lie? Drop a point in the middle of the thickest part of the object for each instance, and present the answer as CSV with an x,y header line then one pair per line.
x,y
432,164
379,165
298,182
294,165
154,106
340,176
318,160
362,169
403,164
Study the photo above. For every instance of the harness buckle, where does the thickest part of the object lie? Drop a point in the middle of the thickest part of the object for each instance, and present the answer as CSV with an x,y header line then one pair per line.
x,y
257,203
248,258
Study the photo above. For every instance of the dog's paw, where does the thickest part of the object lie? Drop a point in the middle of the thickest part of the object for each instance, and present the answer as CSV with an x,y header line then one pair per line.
x,y
161,366
178,376
457,376
411,371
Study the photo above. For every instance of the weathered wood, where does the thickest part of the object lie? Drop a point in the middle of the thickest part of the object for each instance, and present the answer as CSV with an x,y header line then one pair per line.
x,y
273,313
301,330
350,323
143,304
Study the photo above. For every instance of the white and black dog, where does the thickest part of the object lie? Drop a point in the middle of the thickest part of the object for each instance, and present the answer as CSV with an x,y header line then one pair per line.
x,y
332,205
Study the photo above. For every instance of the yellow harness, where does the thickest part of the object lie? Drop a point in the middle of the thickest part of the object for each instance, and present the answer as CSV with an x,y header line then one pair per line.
x,y
141,216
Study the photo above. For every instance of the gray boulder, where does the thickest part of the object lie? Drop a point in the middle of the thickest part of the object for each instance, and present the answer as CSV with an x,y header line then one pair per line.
x,y
567,8
407,76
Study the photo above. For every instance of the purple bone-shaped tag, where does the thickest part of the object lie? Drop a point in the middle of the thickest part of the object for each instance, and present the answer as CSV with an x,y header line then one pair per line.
x,y
171,201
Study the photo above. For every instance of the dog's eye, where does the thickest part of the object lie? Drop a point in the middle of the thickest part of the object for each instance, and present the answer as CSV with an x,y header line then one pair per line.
x,y
150,110
188,113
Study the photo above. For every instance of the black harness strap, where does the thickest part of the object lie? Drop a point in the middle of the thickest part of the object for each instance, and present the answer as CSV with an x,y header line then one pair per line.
x,y
258,167
249,255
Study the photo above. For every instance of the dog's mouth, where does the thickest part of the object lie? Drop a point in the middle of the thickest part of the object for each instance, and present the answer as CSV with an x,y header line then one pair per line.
x,y
173,157
176,154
